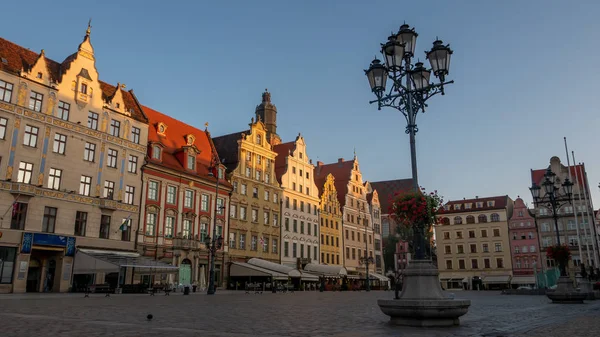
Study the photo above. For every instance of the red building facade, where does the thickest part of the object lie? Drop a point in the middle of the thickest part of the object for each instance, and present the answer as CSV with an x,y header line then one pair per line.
x,y
524,245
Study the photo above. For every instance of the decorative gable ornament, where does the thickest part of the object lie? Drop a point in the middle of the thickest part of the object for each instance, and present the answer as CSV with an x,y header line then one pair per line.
x,y
161,128
190,139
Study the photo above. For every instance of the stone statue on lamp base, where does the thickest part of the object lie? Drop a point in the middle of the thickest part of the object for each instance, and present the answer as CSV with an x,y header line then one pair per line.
x,y
565,293
422,302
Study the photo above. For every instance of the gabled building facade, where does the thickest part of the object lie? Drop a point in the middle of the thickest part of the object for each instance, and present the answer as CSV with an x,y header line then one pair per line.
x,y
375,214
473,247
524,245
254,228
356,224
180,205
330,217
300,220
71,149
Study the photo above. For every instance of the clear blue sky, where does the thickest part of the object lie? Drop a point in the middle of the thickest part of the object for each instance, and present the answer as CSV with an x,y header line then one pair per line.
x,y
526,75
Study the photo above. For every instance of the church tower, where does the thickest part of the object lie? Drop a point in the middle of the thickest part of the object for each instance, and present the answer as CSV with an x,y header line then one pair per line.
x,y
266,112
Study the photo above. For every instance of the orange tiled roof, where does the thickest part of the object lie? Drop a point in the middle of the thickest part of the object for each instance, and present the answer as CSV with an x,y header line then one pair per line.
x,y
175,139
19,58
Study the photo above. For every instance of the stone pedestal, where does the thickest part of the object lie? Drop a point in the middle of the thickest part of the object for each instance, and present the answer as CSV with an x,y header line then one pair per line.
x,y
422,302
565,292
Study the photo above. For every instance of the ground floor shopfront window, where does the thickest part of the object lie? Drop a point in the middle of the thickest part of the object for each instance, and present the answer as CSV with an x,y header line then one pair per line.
x,y
7,264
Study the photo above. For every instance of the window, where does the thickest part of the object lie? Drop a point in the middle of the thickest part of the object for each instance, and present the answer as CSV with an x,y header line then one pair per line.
x,y
248,172
5,93
255,192
243,241
54,176
485,248
473,248
484,233
486,263
301,227
286,249
135,135
301,206
496,217
498,247
470,219
35,101
92,121
243,212
25,172
447,249
532,249
248,156
150,223
186,231
254,215
90,152
60,143
275,246
153,190
171,194
132,166
19,215
267,178
115,128
295,205
84,88
235,186
526,250
244,189
287,224
448,264
287,202
156,152
459,249
459,235
80,223
267,196
112,158
265,245
294,250
482,218
85,185
457,220
220,206
104,226
203,231
204,203
461,264
7,254
129,194
109,189
189,199
446,235
301,250
169,226
496,232
474,264
258,139
253,243
499,263
233,211
49,221
3,122
471,234
232,240
191,162
266,218
295,226
31,135
63,110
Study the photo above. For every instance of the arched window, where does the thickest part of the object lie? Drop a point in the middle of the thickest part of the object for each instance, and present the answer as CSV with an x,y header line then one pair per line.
x,y
470,219
482,218
445,221
156,152
457,220
495,217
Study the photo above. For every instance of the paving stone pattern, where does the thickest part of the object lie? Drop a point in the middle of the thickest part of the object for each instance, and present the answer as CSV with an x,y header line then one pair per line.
x,y
235,314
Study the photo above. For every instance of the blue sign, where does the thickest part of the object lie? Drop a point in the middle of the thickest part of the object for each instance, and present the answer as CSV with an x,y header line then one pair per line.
x,y
70,246
26,243
43,239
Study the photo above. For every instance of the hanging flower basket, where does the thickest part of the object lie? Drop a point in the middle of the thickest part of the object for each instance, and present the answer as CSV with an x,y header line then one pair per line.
x,y
560,253
415,208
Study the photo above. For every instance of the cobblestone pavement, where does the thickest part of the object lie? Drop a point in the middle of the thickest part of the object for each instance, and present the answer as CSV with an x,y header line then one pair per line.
x,y
235,314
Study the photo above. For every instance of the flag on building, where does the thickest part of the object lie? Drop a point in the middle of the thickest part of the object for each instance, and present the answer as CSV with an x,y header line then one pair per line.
x,y
262,240
125,223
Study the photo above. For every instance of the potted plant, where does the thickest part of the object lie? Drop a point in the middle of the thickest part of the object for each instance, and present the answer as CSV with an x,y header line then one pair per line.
x,y
561,254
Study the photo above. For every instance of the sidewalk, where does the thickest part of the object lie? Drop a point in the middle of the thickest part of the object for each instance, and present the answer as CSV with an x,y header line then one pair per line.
x,y
42,296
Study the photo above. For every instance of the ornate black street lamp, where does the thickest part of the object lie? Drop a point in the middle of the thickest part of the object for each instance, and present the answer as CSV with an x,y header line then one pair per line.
x,y
409,90
366,260
553,200
214,244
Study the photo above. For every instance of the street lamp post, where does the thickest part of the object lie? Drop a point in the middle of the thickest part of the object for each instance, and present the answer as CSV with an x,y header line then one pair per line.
x,y
409,91
422,301
215,243
366,260
554,200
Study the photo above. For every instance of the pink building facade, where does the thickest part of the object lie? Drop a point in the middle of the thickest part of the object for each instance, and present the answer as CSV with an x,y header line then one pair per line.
x,y
524,245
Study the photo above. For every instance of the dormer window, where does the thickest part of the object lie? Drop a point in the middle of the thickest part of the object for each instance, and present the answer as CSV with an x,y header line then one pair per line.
x,y
490,203
191,162
457,207
156,152
220,173
162,128
84,88
467,206
479,204
190,139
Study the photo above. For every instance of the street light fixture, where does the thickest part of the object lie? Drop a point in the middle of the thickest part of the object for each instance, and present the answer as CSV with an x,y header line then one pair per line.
x,y
366,260
214,244
553,199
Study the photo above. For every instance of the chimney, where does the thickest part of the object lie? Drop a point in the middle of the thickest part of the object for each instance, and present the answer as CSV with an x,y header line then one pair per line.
x,y
340,160
476,197
319,163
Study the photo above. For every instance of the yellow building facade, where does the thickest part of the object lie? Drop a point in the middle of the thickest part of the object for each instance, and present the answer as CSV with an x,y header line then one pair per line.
x,y
330,222
473,246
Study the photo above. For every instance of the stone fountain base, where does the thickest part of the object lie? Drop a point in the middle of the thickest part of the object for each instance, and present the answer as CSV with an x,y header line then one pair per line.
x,y
565,293
422,302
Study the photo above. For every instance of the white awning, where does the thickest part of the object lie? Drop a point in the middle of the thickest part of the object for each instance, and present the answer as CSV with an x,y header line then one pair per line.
x,y
378,277
289,271
309,277
523,279
89,261
326,270
496,279
241,269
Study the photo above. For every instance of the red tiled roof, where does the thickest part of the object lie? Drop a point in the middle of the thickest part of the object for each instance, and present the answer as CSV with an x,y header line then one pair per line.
x,y
283,150
174,140
387,189
537,176
500,202
19,58
342,172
